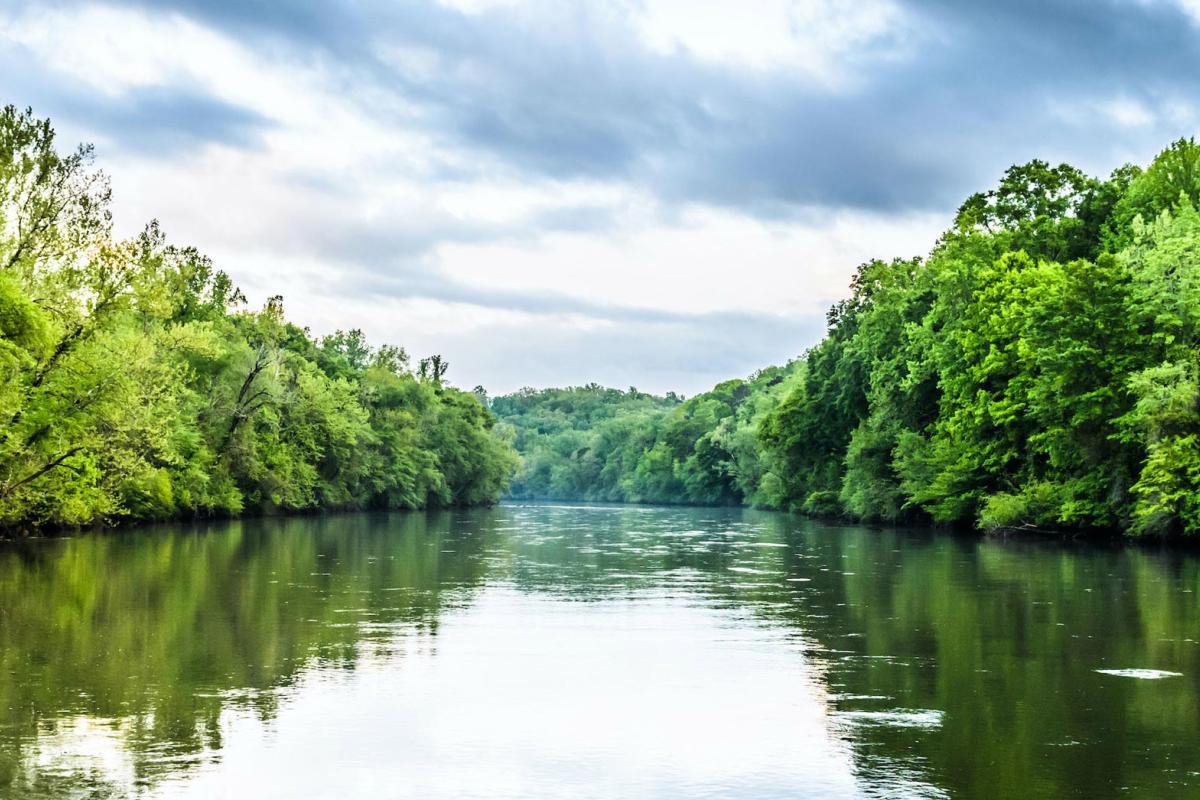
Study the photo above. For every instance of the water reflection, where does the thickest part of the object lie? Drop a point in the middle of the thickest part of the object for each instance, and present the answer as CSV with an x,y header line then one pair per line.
x,y
593,652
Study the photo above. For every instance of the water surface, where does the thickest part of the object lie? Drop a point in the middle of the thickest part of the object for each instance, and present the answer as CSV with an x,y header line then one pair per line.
x,y
593,652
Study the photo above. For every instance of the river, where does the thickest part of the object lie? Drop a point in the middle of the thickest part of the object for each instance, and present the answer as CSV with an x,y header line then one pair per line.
x,y
560,651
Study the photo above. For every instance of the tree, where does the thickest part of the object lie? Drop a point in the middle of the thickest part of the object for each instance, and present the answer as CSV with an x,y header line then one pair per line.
x,y
136,386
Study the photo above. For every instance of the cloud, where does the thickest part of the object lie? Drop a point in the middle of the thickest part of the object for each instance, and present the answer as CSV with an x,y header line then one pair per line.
x,y
655,190
924,102
505,350
166,121
122,101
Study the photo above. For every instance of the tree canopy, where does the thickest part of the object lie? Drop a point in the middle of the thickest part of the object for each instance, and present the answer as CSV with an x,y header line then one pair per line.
x,y
135,383
1039,369
593,443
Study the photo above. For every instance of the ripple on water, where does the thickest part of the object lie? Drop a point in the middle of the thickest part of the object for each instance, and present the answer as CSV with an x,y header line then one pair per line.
x,y
895,718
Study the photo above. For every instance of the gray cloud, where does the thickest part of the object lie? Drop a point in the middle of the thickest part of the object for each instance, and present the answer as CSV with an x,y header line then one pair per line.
x,y
155,121
427,283
574,94
689,356
161,121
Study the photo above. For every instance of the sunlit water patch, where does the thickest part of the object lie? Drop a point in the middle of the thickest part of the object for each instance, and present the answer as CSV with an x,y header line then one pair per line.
x,y
1142,674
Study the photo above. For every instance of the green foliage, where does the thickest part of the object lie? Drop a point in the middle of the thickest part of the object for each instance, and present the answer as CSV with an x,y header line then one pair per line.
x,y
580,442
1173,176
1167,493
1036,505
1025,375
1036,208
1038,370
135,384
593,443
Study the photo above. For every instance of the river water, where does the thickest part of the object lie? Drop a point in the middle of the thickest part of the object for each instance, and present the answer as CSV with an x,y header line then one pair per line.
x,y
557,651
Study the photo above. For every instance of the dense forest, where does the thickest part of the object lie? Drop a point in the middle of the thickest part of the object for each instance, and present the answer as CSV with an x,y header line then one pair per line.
x,y
1040,369
592,443
135,384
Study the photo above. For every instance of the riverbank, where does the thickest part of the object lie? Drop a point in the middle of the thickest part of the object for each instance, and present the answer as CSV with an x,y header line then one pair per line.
x,y
1036,370
137,382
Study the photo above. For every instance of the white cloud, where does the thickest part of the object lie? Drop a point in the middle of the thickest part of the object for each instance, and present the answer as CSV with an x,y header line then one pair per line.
x,y
1128,112
814,37
479,6
711,261
1191,7
112,50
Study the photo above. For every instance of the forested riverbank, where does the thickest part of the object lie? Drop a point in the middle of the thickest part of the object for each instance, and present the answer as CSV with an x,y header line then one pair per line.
x,y
136,384
1037,370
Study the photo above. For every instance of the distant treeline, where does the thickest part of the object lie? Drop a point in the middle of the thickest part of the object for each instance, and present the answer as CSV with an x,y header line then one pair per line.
x,y
134,383
592,443
1039,369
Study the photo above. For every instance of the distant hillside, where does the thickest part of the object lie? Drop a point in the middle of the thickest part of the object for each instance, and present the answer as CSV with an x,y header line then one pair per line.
x,y
594,443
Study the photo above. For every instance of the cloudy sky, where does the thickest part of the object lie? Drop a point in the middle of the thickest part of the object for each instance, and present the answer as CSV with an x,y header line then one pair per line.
x,y
660,193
